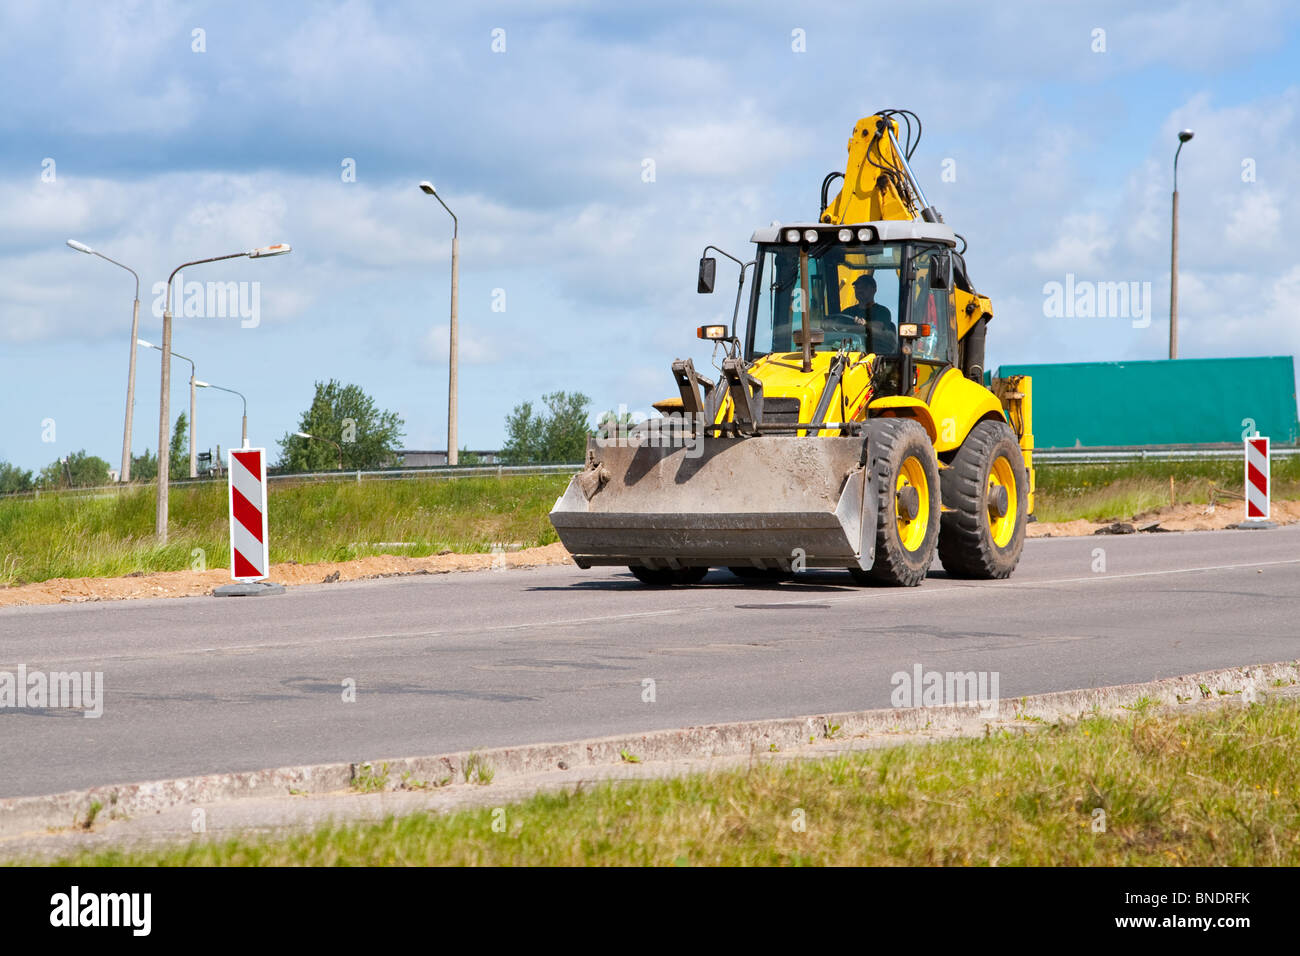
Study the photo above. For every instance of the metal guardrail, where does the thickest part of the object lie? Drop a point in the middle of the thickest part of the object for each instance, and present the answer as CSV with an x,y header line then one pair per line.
x,y
1117,455
1042,456
385,474
469,471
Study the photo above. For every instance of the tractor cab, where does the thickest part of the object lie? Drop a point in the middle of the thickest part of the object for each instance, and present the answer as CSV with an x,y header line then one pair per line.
x,y
882,289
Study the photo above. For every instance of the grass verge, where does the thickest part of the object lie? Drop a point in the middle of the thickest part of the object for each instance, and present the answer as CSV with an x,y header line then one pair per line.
x,y
1120,491
1209,787
111,534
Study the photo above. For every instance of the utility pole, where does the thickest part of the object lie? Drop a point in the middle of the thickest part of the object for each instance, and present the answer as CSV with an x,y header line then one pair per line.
x,y
130,387
1183,137
193,381
453,444
164,403
453,455
164,412
125,474
194,471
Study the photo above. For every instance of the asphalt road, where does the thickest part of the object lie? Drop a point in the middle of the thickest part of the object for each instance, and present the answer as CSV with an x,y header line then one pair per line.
x,y
452,662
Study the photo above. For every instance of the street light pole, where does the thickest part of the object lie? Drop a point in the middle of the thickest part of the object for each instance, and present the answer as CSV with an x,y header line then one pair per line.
x,y
193,381
164,404
194,462
125,474
453,455
1183,137
222,388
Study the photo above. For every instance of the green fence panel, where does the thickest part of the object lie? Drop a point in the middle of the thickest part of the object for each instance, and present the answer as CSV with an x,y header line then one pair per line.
x,y
1181,402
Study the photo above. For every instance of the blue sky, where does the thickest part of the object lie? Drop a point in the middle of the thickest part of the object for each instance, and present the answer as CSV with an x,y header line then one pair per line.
x,y
162,154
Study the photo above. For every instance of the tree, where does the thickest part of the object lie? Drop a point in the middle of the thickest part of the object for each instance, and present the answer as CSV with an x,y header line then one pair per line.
x,y
557,435
13,479
77,470
144,467
178,458
367,435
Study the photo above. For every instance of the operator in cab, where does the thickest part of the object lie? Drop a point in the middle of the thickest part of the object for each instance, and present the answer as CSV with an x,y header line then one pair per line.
x,y
869,312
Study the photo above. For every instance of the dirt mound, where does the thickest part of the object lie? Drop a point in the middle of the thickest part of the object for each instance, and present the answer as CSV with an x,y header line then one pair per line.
x,y
1177,518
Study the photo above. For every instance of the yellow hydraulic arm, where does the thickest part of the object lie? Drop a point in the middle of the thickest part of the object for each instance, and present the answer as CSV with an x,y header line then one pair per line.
x,y
877,181
879,184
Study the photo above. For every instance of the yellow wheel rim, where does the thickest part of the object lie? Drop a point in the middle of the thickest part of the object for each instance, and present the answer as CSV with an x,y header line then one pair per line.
x,y
1001,475
912,533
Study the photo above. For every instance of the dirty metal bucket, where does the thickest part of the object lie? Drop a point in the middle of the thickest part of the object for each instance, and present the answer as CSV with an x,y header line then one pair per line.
x,y
763,502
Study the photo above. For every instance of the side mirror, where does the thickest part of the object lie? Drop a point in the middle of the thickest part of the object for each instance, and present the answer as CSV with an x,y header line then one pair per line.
x,y
941,270
708,272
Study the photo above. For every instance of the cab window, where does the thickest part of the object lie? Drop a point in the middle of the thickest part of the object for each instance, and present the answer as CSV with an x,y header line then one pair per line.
x,y
852,294
932,307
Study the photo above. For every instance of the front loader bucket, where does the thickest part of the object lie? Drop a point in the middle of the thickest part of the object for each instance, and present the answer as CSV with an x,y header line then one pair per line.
x,y
763,502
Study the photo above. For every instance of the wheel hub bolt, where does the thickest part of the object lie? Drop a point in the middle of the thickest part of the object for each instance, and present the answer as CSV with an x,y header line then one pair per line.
x,y
998,501
909,503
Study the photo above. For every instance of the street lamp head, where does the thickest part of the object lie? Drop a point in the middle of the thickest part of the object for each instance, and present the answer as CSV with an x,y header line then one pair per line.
x,y
80,246
302,435
148,345
199,384
279,249
1185,135
428,188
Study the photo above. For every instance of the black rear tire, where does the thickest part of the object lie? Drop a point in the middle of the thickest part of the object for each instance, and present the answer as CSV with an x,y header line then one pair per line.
x,y
975,541
902,455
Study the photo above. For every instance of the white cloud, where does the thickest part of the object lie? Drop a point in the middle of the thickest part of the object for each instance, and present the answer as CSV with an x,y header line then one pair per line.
x,y
471,348
1254,223
1196,31
1082,245
734,147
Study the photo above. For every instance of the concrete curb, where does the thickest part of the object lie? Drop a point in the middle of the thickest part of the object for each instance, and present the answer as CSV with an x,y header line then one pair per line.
x,y
20,815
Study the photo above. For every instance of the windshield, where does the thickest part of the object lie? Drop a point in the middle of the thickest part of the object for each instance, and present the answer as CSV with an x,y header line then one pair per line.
x,y
849,292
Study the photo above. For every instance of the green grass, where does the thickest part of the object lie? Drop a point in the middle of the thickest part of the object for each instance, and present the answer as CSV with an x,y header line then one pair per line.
x,y
1113,492
111,534
1215,788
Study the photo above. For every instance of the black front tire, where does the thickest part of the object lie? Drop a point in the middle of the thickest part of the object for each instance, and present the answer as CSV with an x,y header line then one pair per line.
x,y
904,546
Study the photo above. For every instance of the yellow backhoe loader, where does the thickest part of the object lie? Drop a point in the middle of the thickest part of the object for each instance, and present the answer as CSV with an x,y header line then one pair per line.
x,y
848,426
